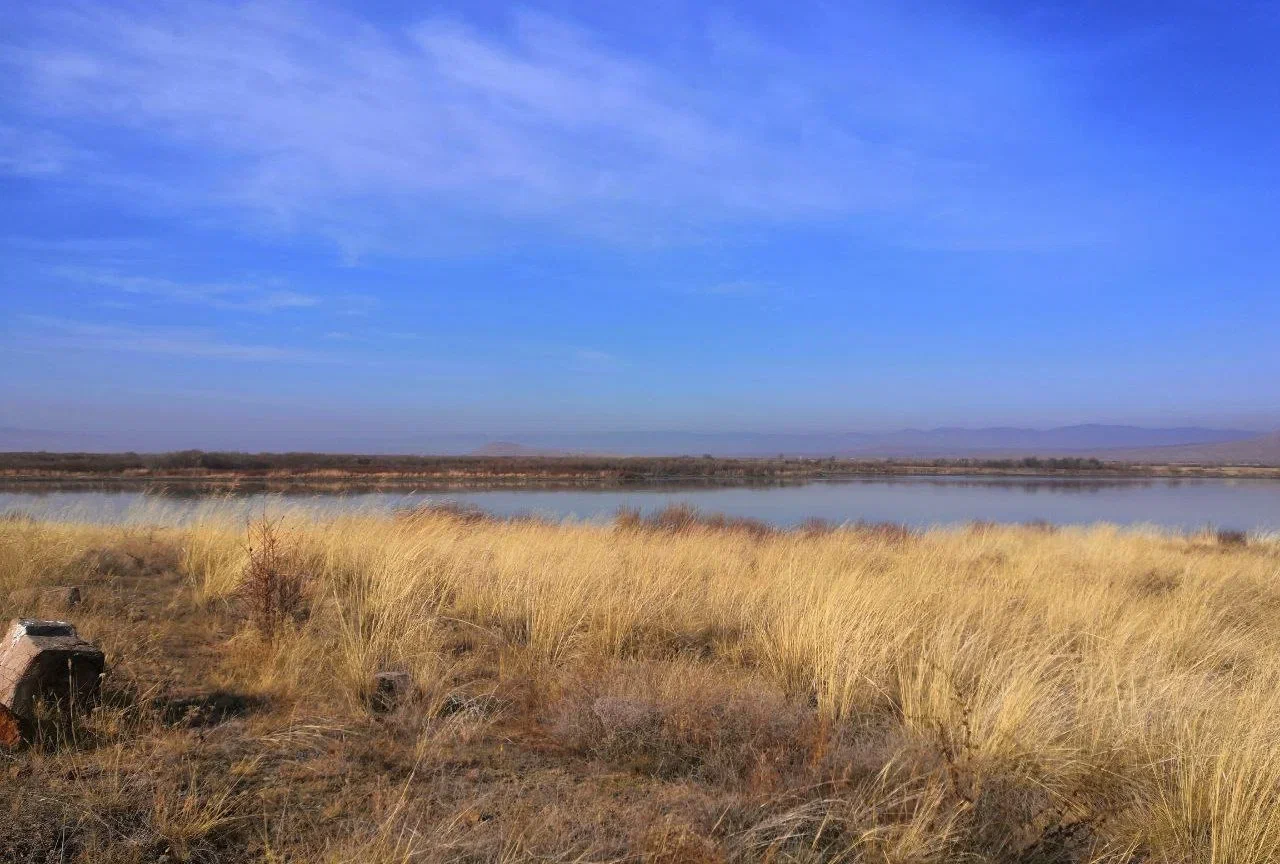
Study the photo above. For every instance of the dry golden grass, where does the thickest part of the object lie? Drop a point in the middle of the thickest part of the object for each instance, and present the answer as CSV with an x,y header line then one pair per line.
x,y
683,693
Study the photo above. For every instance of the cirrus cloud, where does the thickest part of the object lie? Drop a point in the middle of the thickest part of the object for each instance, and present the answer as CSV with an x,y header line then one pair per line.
x,y
436,135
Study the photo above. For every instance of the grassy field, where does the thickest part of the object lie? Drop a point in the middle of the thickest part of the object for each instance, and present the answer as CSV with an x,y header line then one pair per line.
x,y
672,689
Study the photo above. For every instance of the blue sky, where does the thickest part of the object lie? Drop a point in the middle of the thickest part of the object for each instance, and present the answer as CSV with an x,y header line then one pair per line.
x,y
668,215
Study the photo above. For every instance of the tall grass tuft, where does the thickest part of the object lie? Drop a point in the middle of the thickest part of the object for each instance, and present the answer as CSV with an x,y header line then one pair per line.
x,y
985,693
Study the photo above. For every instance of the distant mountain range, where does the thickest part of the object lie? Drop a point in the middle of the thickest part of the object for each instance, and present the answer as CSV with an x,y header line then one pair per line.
x,y
1186,444
1259,450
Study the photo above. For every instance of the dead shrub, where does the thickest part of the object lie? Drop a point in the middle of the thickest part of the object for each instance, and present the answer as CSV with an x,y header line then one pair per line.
x,y
1012,818
681,518
1041,526
816,527
675,518
628,519
889,533
1230,538
753,528
274,585
1006,810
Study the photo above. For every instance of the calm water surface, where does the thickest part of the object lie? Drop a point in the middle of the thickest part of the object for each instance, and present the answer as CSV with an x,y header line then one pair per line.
x,y
916,501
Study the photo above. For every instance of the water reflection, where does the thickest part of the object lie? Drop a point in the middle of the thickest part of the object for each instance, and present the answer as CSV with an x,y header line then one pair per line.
x,y
292,488
912,500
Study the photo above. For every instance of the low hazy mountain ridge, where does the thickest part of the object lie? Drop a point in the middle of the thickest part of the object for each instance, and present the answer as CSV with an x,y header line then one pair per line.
x,y
1260,450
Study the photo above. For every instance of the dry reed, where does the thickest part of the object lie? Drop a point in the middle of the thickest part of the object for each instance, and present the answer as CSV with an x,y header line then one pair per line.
x,y
1003,694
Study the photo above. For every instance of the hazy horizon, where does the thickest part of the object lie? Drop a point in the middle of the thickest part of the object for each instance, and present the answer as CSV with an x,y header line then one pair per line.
x,y
938,442
263,216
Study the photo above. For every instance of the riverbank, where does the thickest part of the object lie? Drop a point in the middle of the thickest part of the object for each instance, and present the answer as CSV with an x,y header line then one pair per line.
x,y
337,471
671,689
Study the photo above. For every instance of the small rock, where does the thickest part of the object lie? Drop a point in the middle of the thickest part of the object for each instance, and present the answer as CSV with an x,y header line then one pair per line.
x,y
65,597
47,659
389,690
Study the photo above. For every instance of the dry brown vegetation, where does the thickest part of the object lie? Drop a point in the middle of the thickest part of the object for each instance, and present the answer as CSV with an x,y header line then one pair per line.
x,y
673,689
196,467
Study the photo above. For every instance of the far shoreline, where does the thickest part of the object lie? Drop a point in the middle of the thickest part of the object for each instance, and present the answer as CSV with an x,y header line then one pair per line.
x,y
209,471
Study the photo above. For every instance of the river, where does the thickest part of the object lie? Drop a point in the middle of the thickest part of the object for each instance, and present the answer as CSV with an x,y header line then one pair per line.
x,y
1241,504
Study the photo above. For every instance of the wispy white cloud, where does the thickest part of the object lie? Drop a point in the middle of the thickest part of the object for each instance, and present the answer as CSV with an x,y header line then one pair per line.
x,y
229,296
35,152
51,333
440,134
593,357
576,358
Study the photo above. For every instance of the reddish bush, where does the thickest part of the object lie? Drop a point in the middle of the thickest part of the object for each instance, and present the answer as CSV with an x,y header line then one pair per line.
x,y
274,584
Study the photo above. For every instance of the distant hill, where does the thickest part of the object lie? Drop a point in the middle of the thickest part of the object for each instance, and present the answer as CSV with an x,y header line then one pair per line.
x,y
1260,450
1012,440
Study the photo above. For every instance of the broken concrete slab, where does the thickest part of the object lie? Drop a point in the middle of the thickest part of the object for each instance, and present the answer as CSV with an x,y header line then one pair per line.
x,y
47,659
